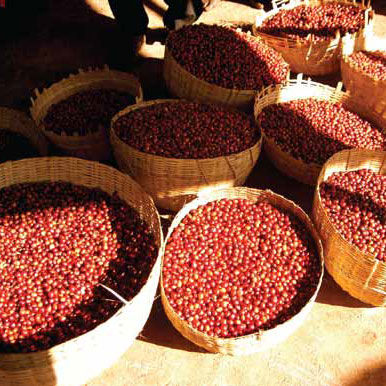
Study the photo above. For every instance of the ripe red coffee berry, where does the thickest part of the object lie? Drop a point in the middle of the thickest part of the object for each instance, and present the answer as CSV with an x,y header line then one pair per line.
x,y
187,130
86,112
233,267
59,242
355,202
313,130
321,21
226,57
372,64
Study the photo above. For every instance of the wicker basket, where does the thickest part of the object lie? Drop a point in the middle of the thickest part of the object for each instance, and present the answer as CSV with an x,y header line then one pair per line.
x,y
172,182
76,361
299,88
93,146
358,273
308,56
181,83
369,92
261,340
18,122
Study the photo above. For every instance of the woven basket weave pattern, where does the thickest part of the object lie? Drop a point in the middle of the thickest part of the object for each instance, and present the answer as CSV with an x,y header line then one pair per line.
x,y
313,57
262,340
94,146
76,361
358,273
300,89
172,182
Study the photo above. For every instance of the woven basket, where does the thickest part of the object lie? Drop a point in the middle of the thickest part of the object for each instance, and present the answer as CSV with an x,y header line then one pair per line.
x,y
299,88
314,57
182,84
18,122
261,340
369,92
172,182
358,273
76,361
93,146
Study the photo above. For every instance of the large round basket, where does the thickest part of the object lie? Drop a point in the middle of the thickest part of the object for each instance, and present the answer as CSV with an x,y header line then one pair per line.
x,y
262,339
368,91
78,360
358,273
171,181
309,56
18,122
300,88
94,146
182,84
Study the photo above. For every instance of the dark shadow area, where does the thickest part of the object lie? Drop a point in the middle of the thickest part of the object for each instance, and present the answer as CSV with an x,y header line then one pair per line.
x,y
371,376
331,293
159,331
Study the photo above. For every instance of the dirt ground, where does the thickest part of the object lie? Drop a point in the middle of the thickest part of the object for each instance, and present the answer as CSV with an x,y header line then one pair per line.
x,y
342,341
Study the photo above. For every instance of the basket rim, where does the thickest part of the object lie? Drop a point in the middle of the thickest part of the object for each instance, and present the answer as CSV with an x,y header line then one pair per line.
x,y
58,348
251,92
145,104
88,78
262,16
345,61
299,82
322,178
206,197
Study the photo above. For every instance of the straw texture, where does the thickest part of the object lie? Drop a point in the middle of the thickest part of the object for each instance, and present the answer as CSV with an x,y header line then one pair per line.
x,y
366,90
358,273
18,122
94,146
171,181
313,57
261,340
76,361
183,84
300,88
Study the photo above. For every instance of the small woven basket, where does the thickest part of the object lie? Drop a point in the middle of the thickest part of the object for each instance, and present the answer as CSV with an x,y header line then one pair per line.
x,y
182,84
358,273
368,91
172,182
299,88
78,360
309,56
18,122
94,146
263,339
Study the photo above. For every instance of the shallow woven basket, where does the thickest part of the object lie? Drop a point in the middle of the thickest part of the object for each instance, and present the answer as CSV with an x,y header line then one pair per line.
x,y
368,91
299,88
261,340
93,146
171,181
313,57
360,274
181,83
76,361
18,122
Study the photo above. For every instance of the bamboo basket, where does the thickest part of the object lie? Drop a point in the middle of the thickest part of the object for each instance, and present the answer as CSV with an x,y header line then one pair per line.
x,y
171,181
309,56
300,88
263,339
182,84
94,146
358,273
368,91
78,360
18,122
